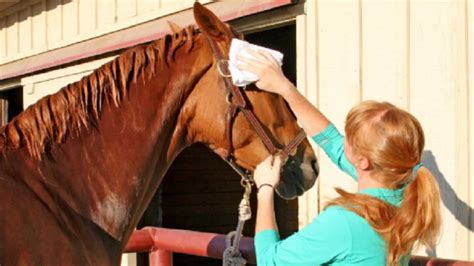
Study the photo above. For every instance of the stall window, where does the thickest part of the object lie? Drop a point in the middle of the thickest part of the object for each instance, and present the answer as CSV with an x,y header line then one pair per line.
x,y
11,104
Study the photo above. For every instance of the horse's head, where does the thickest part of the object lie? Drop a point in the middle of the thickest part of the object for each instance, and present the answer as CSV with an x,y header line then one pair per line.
x,y
206,115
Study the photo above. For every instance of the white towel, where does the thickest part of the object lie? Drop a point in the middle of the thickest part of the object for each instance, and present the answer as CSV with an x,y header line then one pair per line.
x,y
242,78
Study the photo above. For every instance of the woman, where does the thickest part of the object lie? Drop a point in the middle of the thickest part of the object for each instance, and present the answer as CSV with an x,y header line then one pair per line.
x,y
397,203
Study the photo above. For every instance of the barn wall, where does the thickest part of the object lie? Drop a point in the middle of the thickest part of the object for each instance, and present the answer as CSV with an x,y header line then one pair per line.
x,y
37,26
416,54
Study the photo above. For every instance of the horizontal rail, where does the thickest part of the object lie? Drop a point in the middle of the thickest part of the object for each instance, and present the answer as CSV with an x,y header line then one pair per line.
x,y
186,242
152,239
432,261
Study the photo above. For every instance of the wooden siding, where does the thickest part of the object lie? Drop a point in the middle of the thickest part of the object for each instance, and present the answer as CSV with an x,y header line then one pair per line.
x,y
416,54
36,26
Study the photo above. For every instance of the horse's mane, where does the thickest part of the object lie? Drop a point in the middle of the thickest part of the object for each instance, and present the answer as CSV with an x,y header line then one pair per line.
x,y
55,117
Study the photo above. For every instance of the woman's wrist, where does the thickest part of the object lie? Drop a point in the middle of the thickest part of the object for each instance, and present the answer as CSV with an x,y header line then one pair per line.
x,y
265,191
287,89
264,185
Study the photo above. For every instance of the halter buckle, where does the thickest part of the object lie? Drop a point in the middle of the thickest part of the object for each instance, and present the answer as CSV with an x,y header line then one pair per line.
x,y
228,98
224,62
282,154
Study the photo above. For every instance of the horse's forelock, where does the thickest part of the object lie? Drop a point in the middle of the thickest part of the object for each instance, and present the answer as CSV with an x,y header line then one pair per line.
x,y
55,117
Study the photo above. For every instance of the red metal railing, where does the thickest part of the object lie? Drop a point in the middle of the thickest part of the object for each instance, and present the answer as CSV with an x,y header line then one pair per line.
x,y
160,243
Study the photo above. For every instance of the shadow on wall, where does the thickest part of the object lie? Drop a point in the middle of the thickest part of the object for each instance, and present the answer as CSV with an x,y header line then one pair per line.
x,y
458,208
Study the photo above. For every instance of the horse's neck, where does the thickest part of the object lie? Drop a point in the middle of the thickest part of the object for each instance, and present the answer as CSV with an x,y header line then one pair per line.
x,y
109,173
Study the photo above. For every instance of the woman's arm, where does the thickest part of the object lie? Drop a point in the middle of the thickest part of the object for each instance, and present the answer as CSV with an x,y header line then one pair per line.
x,y
312,120
265,212
266,176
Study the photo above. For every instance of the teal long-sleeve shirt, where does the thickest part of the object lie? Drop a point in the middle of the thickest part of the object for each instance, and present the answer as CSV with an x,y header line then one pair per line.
x,y
337,236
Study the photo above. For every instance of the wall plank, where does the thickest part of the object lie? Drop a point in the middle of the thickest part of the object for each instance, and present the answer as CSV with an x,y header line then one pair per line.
x,y
70,21
54,23
147,6
25,34
470,79
339,77
437,98
87,16
106,13
384,51
168,3
38,26
126,9
307,80
12,35
3,38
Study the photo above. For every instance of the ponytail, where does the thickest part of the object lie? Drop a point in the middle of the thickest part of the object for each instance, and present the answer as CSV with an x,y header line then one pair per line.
x,y
417,219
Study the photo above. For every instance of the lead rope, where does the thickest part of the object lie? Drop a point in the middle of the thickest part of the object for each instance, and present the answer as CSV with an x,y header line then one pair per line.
x,y
232,255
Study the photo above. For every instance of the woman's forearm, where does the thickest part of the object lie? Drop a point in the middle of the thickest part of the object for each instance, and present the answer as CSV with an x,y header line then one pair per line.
x,y
265,210
312,120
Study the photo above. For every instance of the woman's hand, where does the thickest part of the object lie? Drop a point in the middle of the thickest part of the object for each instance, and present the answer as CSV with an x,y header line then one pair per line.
x,y
266,68
268,172
266,176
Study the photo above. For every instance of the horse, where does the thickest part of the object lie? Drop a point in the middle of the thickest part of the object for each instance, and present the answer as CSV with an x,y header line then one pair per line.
x,y
79,167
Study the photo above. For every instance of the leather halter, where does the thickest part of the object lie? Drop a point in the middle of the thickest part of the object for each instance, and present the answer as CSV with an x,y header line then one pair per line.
x,y
237,102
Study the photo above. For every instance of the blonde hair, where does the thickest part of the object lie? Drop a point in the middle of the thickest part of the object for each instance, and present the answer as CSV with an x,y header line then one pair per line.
x,y
393,141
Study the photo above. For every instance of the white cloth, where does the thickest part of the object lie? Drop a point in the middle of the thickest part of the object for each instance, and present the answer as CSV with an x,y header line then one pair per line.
x,y
242,78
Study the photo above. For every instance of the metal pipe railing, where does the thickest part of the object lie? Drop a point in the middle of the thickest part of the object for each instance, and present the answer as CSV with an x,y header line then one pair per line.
x,y
161,243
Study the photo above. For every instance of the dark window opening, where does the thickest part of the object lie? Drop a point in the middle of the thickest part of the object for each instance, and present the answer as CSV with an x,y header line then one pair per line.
x,y
11,104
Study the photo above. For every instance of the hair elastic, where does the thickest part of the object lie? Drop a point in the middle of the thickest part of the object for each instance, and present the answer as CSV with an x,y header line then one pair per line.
x,y
416,168
414,172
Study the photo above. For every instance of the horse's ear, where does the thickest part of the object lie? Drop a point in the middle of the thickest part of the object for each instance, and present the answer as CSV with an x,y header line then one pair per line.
x,y
174,27
209,23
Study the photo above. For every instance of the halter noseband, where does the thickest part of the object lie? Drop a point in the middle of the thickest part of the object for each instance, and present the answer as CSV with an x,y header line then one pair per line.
x,y
237,102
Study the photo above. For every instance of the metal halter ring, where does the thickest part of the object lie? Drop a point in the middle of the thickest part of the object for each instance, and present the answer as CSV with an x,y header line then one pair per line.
x,y
219,68
246,183
282,155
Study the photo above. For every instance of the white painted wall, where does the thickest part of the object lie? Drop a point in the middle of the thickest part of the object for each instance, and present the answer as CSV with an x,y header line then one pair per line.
x,y
35,26
416,54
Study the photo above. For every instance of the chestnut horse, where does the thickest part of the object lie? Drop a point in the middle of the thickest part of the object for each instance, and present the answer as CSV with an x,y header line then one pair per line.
x,y
80,166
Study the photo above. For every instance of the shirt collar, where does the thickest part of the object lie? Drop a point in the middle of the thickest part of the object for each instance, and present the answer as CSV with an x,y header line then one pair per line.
x,y
392,196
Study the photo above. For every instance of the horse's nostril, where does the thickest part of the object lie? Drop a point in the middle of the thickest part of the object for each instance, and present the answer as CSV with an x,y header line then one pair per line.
x,y
314,165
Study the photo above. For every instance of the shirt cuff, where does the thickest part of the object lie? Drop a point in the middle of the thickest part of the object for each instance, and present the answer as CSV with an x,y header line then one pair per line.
x,y
266,238
328,133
